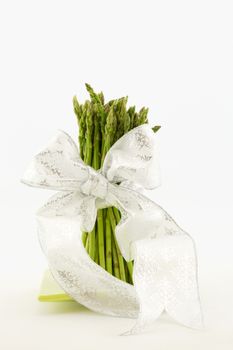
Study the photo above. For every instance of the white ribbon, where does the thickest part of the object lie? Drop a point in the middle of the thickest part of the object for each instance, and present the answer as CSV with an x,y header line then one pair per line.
x,y
165,269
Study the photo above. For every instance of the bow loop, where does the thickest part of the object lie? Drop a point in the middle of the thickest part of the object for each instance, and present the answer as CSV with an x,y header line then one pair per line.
x,y
58,166
134,158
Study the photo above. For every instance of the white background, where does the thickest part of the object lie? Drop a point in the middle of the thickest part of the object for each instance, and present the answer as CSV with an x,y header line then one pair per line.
x,y
176,57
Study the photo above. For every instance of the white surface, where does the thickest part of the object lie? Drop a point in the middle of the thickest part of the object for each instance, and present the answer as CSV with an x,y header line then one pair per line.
x,y
173,56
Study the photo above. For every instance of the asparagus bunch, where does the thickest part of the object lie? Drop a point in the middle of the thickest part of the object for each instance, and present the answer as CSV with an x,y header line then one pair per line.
x,y
100,126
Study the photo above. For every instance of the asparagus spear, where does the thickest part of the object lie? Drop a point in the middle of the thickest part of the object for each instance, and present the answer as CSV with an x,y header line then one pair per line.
x,y
131,113
98,101
142,117
156,128
129,264
115,261
110,128
108,245
120,111
97,141
120,257
81,118
84,238
111,253
89,133
79,111
88,112
77,108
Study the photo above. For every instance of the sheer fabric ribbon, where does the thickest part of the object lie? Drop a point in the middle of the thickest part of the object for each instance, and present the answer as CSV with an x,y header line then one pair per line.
x,y
165,267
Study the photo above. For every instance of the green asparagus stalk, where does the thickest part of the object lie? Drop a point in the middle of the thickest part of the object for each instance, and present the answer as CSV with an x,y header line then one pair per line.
x,y
120,111
99,241
109,135
128,263
120,257
97,245
89,133
101,238
108,245
81,118
96,142
88,112
115,261
110,127
131,113
98,101
84,238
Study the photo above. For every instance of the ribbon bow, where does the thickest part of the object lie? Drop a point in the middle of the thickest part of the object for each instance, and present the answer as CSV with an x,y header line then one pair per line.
x,y
165,273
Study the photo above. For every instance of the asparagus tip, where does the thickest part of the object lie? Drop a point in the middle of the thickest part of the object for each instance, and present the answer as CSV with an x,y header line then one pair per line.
x,y
156,128
89,88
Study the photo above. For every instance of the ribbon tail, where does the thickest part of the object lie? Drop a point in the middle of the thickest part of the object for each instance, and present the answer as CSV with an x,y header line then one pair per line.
x,y
150,300
185,304
165,279
165,264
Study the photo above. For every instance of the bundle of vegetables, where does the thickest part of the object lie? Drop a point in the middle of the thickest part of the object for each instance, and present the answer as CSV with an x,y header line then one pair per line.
x,y
100,126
